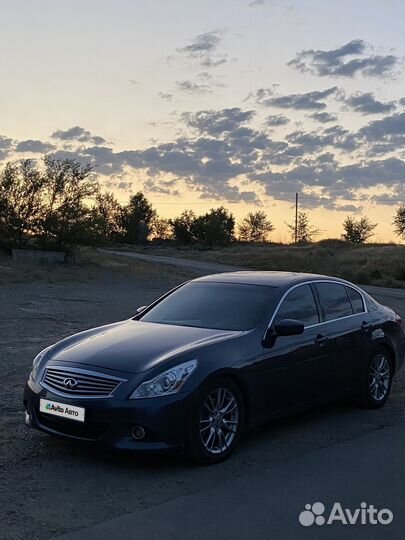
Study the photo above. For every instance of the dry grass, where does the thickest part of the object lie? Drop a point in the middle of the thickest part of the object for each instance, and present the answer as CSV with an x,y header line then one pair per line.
x,y
88,265
381,265
374,264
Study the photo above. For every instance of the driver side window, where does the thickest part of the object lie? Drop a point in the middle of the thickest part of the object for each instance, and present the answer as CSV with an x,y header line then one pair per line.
x,y
299,304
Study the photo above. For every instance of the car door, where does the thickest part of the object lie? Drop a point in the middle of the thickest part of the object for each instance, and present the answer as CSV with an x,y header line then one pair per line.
x,y
294,369
345,323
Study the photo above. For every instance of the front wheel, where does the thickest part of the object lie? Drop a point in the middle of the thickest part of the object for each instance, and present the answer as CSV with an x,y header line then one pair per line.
x,y
376,380
216,422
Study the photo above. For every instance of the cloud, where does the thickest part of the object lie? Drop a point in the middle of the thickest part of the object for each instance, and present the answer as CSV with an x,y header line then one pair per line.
x,y
166,96
104,159
388,172
161,186
366,103
347,61
6,145
222,155
323,117
205,168
213,62
202,44
314,141
313,173
276,120
308,101
205,48
283,4
31,145
391,198
199,85
384,135
216,122
222,147
77,133
334,183
193,87
204,76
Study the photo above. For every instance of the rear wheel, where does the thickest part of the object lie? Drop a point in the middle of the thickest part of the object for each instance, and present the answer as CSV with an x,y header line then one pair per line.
x,y
376,380
216,422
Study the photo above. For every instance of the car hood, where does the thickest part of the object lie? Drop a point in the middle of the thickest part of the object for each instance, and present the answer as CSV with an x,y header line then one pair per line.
x,y
133,346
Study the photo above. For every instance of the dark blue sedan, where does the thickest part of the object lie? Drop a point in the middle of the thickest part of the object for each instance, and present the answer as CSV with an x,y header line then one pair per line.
x,y
214,357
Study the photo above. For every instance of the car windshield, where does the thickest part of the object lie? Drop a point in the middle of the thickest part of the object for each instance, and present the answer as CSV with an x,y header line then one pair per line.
x,y
220,306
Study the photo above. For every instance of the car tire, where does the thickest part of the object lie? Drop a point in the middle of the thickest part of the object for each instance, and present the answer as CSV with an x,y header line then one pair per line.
x,y
216,422
376,379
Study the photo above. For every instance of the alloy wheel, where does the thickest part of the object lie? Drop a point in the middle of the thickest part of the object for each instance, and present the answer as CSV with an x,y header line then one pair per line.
x,y
379,377
219,420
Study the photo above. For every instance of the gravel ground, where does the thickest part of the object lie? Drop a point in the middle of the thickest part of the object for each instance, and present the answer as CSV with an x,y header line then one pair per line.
x,y
51,486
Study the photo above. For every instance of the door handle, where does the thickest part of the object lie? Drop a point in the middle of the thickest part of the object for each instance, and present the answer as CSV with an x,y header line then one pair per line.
x,y
365,326
321,340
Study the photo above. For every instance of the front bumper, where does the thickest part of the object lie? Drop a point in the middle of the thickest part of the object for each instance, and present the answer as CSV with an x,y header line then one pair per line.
x,y
109,421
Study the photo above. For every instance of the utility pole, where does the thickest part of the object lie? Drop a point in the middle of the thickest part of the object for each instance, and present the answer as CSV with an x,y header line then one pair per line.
x,y
296,218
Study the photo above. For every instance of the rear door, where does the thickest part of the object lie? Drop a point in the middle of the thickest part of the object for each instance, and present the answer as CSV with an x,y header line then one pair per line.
x,y
344,322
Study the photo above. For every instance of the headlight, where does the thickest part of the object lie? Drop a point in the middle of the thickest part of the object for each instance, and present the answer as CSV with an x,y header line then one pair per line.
x,y
168,382
36,363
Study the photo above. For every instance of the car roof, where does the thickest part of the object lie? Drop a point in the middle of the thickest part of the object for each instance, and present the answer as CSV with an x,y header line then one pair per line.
x,y
269,278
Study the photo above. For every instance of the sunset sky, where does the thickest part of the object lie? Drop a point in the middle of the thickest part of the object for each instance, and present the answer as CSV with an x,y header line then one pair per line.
x,y
199,104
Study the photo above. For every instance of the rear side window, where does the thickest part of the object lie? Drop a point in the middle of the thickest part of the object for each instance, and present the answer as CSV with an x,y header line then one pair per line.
x,y
356,300
372,305
299,304
334,301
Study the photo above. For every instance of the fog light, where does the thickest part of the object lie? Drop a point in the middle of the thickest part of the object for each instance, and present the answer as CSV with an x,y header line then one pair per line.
x,y
138,433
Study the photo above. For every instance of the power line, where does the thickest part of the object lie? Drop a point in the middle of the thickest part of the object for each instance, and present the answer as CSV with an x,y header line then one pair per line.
x,y
302,196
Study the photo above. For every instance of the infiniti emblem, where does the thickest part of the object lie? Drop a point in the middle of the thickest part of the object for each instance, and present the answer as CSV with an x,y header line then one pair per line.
x,y
70,382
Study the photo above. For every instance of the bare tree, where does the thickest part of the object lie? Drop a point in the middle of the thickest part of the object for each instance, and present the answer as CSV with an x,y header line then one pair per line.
x,y
358,230
305,232
255,227
399,221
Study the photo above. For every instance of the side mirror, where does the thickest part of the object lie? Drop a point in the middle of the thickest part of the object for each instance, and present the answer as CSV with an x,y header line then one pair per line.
x,y
140,309
289,327
285,327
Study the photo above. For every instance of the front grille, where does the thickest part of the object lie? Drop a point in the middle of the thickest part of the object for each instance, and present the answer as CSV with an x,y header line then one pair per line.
x,y
77,382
